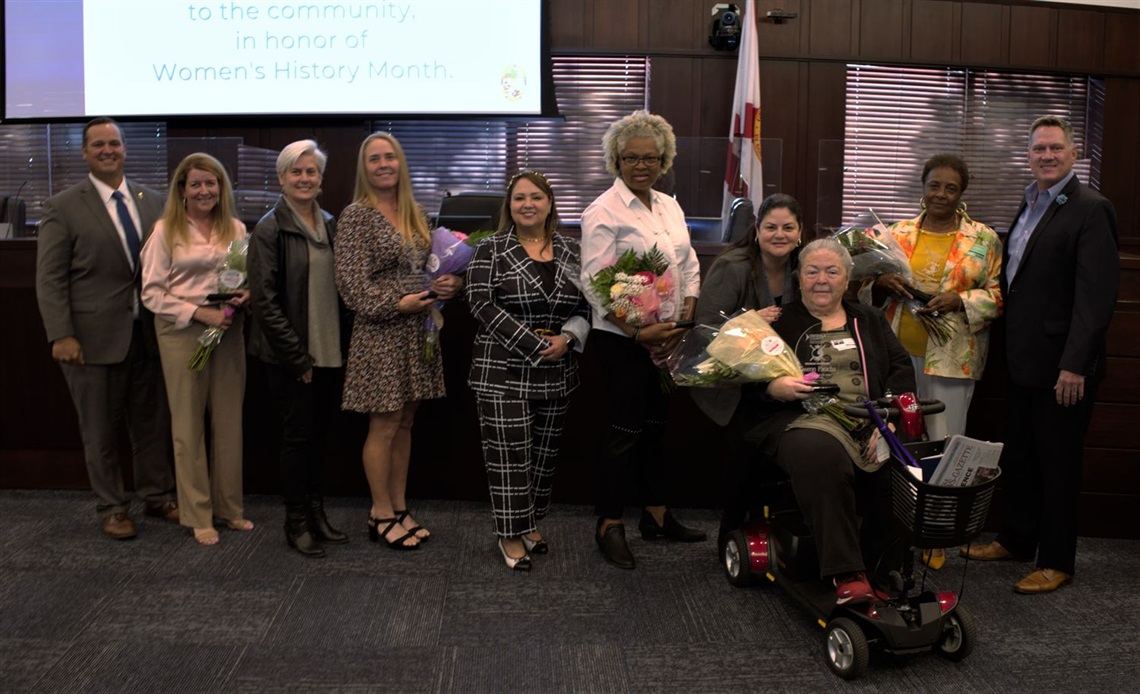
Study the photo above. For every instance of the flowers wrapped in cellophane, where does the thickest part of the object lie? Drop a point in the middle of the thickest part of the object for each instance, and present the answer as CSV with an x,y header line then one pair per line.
x,y
745,349
874,251
451,253
637,288
231,277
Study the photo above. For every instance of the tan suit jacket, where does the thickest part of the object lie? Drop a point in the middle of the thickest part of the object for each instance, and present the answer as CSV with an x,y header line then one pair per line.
x,y
84,282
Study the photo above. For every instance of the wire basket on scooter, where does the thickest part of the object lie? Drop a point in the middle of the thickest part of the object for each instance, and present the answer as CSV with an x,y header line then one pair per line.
x,y
934,517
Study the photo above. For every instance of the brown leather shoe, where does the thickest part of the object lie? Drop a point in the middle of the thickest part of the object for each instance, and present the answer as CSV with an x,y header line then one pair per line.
x,y
1042,581
167,511
119,526
993,551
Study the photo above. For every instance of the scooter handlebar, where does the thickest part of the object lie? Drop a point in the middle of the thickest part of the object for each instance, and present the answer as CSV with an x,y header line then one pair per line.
x,y
886,410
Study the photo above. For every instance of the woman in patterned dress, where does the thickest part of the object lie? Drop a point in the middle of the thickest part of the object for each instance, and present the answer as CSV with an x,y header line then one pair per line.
x,y
958,261
384,243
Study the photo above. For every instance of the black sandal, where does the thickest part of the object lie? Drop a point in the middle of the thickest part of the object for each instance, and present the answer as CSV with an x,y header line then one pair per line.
x,y
401,515
375,534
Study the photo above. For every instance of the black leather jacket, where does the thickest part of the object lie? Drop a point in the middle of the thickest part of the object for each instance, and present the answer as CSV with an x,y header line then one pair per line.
x,y
278,265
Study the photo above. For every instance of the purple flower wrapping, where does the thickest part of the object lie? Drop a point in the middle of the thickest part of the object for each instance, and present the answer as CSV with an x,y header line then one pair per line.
x,y
449,255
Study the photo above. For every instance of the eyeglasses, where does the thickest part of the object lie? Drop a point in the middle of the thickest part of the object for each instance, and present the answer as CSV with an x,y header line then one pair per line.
x,y
631,160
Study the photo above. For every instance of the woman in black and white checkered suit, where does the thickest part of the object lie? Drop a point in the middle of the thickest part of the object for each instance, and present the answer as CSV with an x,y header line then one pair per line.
x,y
522,288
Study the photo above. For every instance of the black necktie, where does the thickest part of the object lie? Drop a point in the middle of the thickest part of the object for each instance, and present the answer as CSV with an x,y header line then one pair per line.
x,y
129,229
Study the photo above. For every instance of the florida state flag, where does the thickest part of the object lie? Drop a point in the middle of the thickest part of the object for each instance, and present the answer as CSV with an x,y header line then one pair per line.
x,y
742,176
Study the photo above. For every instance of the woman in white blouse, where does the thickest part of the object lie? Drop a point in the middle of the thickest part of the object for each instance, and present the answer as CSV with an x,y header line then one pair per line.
x,y
639,149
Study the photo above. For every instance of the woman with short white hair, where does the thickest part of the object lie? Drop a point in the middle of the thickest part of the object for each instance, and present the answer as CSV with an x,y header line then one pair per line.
x,y
639,149
298,332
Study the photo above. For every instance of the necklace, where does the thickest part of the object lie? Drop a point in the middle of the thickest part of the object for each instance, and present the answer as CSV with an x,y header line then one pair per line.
x,y
524,239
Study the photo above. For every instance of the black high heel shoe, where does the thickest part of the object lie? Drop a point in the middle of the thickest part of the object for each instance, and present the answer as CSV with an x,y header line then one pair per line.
x,y
401,515
535,546
516,563
375,534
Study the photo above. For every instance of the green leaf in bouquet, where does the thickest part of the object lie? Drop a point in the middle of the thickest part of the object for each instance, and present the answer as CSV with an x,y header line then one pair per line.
x,y
475,237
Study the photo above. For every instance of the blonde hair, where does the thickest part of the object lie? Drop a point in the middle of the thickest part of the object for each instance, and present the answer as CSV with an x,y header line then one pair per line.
x,y
176,223
639,124
410,219
294,151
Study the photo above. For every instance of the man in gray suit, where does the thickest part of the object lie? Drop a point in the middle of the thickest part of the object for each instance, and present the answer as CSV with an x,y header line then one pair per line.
x,y
87,285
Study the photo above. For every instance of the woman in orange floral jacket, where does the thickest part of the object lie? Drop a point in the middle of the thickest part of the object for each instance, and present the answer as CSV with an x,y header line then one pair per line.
x,y
958,261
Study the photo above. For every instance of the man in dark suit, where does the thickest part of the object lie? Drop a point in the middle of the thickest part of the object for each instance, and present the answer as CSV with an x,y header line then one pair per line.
x,y
87,285
1059,281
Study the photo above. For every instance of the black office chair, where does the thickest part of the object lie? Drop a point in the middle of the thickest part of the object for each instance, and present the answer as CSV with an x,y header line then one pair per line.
x,y
740,220
470,211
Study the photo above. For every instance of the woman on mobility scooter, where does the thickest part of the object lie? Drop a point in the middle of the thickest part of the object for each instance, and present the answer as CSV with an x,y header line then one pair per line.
x,y
836,474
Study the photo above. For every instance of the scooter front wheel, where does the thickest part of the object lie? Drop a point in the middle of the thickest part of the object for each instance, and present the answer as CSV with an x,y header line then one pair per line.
x,y
846,648
738,560
958,635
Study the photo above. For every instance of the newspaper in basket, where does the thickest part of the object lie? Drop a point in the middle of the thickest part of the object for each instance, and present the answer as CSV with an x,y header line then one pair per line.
x,y
934,517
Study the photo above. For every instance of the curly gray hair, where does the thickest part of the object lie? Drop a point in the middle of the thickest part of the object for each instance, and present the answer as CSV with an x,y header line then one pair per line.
x,y
639,124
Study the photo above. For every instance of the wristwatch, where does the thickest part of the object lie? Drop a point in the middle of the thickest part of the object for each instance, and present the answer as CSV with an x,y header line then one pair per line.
x,y
570,340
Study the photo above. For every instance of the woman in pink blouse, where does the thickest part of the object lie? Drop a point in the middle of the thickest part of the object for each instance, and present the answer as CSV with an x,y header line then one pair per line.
x,y
180,268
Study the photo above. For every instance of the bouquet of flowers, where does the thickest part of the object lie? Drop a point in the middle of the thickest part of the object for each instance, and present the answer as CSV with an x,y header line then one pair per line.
x,y
231,277
637,288
875,252
451,252
745,350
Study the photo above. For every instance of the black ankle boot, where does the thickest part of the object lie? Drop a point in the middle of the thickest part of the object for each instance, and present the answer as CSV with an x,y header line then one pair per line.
x,y
319,524
612,545
298,536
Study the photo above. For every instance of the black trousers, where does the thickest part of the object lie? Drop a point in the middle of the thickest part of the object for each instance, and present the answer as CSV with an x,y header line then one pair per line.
x,y
848,510
307,411
520,449
1041,474
633,443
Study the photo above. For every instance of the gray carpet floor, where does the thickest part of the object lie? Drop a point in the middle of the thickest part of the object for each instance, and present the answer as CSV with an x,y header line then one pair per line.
x,y
80,613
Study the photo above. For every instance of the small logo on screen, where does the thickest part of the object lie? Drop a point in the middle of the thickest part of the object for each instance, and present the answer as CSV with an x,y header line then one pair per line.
x,y
514,83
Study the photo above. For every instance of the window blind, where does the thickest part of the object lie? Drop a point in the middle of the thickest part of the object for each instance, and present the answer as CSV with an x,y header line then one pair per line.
x,y
456,156
898,117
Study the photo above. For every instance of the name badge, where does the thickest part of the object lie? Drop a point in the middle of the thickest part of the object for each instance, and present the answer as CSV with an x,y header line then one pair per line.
x,y
844,344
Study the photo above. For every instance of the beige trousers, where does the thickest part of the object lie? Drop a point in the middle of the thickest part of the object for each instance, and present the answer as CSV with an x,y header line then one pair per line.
x,y
208,486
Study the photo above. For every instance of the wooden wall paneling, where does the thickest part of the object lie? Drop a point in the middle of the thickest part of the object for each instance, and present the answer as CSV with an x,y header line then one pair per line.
x,y
1120,174
779,39
1121,53
935,27
619,26
1080,40
883,29
717,86
823,113
1123,337
678,24
780,90
830,29
674,91
1032,36
1110,470
985,34
1122,385
568,22
1113,425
